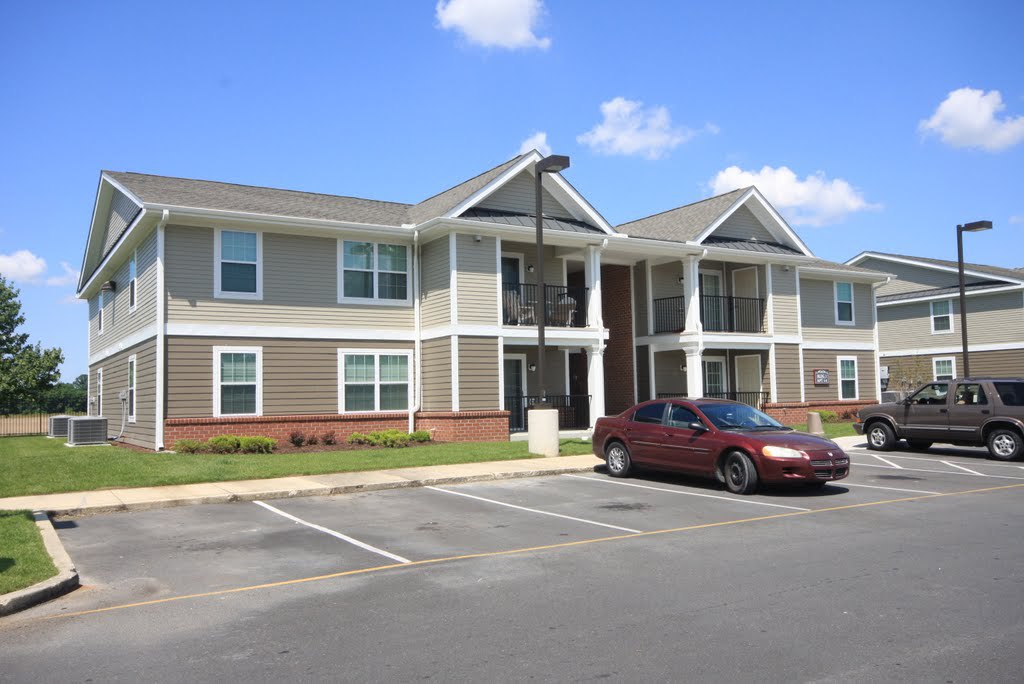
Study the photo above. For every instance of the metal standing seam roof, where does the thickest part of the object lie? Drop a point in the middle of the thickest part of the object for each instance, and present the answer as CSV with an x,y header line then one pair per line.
x,y
684,223
939,291
530,220
762,246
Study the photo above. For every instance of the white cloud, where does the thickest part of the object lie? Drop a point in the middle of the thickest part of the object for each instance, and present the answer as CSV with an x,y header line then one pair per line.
x,y
70,276
630,129
494,23
538,141
22,265
1016,219
967,118
813,201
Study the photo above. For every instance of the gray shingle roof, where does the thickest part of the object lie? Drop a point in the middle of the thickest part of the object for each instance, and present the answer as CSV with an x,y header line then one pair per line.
x,y
442,203
529,220
835,266
939,291
684,223
995,271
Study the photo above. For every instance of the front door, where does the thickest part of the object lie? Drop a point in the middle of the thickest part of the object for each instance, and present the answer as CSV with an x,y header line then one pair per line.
x,y
712,302
515,392
926,414
748,379
714,378
745,309
511,292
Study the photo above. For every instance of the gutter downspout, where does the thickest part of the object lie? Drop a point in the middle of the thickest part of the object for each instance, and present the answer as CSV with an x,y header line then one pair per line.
x,y
161,330
417,343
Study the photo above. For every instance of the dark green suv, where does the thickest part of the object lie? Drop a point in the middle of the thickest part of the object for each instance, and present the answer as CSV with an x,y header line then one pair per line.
x,y
965,412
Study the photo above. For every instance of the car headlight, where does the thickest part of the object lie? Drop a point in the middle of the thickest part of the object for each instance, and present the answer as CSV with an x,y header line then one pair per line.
x,y
781,452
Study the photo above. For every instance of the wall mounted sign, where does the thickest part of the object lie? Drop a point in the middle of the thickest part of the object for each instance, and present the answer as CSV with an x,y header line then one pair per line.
x,y
821,377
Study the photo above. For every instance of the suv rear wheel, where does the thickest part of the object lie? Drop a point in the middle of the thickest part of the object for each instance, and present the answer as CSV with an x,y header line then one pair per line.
x,y
1005,444
881,437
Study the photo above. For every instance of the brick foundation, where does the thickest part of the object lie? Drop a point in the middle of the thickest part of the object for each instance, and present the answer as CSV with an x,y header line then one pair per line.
x,y
795,412
463,426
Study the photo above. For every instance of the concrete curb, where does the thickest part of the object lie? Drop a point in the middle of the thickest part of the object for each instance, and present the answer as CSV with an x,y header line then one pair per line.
x,y
64,581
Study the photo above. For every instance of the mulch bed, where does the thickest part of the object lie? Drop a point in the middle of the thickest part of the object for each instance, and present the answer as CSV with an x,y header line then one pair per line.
x,y
286,447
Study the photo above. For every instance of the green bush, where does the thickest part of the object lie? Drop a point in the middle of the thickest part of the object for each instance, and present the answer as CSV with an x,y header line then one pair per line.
x,y
223,444
829,416
390,438
257,445
358,438
189,446
420,436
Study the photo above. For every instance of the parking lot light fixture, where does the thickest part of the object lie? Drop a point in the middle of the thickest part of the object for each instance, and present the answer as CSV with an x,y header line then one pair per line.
x,y
550,164
972,227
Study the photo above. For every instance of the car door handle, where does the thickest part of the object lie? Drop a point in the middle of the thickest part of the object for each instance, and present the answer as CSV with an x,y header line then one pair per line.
x,y
943,411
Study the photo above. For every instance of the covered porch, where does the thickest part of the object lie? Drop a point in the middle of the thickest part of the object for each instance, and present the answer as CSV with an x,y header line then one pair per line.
x,y
717,373
569,375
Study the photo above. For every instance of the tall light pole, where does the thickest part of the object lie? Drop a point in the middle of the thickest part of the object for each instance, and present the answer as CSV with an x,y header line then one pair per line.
x,y
960,230
550,164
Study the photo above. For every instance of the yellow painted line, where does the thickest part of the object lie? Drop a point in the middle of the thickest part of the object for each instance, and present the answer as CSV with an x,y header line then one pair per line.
x,y
529,549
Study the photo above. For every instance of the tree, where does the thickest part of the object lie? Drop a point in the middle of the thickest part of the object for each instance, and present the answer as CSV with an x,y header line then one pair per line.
x,y
26,370
906,375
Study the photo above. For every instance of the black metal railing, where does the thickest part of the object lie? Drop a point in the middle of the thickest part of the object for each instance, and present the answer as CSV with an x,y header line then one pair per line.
x,y
573,411
731,314
566,307
669,314
755,399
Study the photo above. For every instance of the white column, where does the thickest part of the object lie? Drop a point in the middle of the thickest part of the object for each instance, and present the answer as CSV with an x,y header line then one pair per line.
x,y
694,373
595,382
592,278
691,293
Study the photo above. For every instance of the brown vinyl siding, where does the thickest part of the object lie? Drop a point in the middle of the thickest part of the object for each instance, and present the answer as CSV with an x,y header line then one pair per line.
x,y
437,374
818,313
519,195
665,280
744,225
553,269
118,321
911,278
435,285
300,285
479,366
115,379
1002,363
668,378
784,301
867,383
640,299
477,282
299,376
787,372
554,369
991,319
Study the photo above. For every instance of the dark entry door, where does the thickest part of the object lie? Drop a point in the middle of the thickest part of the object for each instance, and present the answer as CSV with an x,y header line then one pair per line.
x,y
514,401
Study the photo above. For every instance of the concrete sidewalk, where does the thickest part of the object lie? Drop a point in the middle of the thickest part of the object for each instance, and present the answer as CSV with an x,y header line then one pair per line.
x,y
146,498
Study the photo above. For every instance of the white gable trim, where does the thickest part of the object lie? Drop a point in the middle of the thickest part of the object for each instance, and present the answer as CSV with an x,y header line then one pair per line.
x,y
934,267
781,225
489,189
104,193
588,209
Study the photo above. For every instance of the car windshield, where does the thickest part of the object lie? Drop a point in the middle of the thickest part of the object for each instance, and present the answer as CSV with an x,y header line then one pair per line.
x,y
739,417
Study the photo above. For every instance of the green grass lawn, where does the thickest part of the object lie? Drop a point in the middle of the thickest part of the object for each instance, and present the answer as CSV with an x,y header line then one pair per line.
x,y
23,558
37,465
832,430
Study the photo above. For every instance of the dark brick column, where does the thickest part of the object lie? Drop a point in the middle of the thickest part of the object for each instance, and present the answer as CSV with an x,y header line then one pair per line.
x,y
617,307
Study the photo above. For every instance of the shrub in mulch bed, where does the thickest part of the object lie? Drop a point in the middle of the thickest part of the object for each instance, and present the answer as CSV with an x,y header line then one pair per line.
x,y
299,442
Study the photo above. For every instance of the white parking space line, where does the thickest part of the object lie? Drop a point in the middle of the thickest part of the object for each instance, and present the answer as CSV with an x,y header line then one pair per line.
x,y
887,462
940,472
533,510
891,489
966,470
333,533
678,491
987,463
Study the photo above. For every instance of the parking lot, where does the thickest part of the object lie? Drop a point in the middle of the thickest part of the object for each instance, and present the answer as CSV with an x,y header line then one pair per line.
x,y
911,569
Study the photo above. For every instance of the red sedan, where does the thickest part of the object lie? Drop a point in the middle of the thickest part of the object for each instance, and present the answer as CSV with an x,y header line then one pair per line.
x,y
733,442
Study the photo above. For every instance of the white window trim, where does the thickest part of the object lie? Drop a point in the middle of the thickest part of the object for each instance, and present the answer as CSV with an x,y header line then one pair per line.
x,y
133,283
931,312
218,293
133,381
375,300
856,377
725,372
836,302
217,351
99,391
376,353
952,366
100,305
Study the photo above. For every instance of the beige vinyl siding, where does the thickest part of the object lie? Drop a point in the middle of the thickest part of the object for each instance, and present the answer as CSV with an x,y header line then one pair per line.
x,y
991,319
784,301
787,371
867,383
640,298
665,280
118,321
518,195
477,280
553,266
668,376
115,379
554,369
299,376
437,374
435,286
818,313
1002,363
300,286
122,211
744,225
479,366
910,278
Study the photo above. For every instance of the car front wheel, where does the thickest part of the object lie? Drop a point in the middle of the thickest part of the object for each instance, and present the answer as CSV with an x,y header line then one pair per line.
x,y
1005,445
740,474
617,457
881,437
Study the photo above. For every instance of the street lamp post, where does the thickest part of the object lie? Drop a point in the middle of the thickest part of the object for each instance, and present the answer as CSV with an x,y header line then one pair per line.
x,y
550,164
960,230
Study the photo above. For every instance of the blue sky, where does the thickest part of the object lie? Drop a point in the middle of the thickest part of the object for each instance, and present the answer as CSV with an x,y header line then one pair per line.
x,y
658,104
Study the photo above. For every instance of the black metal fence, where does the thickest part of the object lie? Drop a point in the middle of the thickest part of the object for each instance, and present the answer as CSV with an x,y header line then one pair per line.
x,y
755,399
669,314
732,314
573,411
566,307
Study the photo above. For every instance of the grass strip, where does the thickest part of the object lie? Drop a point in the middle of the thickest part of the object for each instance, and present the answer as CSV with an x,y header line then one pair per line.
x,y
23,557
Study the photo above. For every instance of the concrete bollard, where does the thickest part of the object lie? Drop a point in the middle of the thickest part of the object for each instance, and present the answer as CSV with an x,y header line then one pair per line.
x,y
814,425
543,432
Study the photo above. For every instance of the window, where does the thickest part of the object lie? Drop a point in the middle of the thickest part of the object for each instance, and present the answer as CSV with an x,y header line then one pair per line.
x,y
652,413
132,282
970,395
844,304
848,377
944,368
935,393
238,381
373,381
681,417
371,271
100,301
131,388
1010,393
238,272
942,317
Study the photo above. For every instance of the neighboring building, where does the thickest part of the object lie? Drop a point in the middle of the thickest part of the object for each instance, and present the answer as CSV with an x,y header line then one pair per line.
x,y
919,318
217,308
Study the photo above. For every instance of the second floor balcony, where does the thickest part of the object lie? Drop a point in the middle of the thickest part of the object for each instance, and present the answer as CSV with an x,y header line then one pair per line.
x,y
717,314
565,307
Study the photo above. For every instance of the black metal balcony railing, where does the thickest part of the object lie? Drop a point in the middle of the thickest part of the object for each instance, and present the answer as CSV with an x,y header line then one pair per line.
x,y
669,314
731,314
573,411
755,399
566,306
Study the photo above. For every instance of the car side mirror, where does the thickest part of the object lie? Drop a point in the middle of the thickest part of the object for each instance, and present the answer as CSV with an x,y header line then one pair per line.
x,y
697,427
